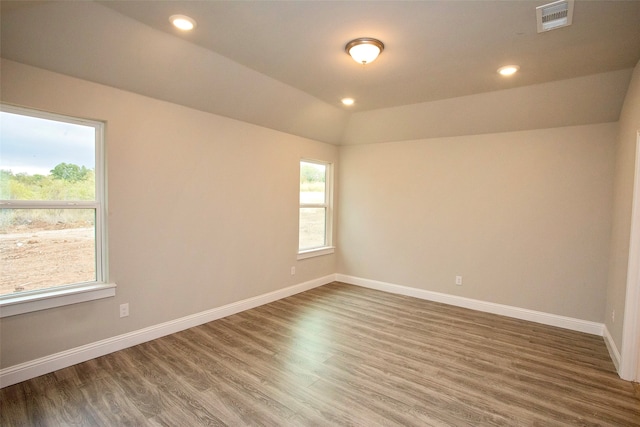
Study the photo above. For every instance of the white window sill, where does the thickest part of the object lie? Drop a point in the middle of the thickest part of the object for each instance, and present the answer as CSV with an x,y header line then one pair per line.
x,y
11,305
325,250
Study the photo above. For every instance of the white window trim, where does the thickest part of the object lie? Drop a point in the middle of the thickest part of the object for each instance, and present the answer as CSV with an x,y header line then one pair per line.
x,y
12,305
41,299
328,248
310,253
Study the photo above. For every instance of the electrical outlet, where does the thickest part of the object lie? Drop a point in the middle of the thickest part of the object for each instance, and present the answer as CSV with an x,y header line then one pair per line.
x,y
293,271
459,280
124,310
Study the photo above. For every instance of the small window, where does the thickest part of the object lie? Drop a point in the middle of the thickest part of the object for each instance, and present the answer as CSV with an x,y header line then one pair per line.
x,y
51,203
315,207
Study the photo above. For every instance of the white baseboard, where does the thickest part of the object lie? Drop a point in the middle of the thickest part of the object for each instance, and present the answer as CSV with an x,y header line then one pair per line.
x,y
613,349
34,368
579,325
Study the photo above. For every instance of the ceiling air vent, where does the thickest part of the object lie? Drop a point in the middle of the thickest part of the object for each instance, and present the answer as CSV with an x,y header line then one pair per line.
x,y
554,15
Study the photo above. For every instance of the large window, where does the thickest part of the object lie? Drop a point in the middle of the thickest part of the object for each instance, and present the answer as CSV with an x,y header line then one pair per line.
x,y
51,206
315,209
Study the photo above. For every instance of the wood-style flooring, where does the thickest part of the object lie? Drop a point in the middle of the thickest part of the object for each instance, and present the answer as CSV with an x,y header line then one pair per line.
x,y
340,355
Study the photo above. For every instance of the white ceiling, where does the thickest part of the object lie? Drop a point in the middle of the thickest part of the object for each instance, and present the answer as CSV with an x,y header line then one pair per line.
x,y
433,49
256,56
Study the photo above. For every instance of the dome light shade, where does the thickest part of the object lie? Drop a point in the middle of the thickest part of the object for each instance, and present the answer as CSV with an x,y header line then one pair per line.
x,y
364,50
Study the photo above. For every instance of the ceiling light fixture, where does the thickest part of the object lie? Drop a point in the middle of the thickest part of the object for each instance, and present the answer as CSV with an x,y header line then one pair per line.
x,y
364,50
508,70
348,101
182,22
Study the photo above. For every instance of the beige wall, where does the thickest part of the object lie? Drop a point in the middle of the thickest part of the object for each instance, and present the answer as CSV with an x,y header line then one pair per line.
x,y
625,153
203,211
524,217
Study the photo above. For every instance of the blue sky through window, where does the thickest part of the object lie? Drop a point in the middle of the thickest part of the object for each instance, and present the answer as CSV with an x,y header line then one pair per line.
x,y
34,145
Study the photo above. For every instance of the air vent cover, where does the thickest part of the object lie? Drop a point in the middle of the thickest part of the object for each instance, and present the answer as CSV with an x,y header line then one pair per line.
x,y
554,15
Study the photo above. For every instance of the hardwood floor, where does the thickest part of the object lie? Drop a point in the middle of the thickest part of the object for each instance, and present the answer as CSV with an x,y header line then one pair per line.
x,y
340,355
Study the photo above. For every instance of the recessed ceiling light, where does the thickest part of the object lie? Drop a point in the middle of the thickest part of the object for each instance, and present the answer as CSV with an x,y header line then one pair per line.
x,y
182,22
348,101
508,70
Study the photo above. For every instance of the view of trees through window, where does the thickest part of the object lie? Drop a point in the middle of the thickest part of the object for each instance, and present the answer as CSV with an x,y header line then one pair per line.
x,y
313,205
41,248
48,203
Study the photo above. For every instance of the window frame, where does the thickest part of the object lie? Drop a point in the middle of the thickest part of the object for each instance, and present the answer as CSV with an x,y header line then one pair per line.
x,y
328,247
56,296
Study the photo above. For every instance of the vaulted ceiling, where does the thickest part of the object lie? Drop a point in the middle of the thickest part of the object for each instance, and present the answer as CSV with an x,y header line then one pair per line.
x,y
281,64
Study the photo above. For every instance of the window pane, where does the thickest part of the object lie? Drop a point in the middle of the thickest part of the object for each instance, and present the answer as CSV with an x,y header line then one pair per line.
x,y
44,159
312,228
312,182
42,248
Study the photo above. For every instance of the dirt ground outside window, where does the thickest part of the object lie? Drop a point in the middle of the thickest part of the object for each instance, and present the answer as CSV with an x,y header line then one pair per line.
x,y
40,256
